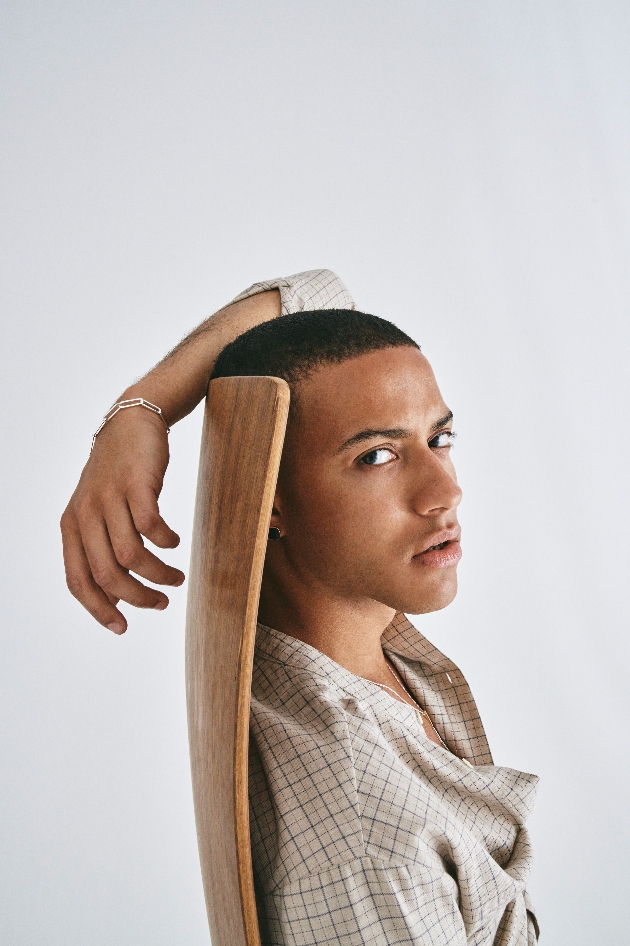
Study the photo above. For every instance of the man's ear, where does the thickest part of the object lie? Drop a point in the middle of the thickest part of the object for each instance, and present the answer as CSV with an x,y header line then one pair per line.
x,y
277,519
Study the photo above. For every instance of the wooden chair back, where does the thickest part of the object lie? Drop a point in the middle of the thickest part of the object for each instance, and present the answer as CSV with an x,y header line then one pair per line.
x,y
242,441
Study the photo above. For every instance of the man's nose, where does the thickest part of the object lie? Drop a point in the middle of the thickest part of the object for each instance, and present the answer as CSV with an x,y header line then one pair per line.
x,y
436,489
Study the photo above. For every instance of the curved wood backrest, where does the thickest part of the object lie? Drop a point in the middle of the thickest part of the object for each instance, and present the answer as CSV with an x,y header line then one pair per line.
x,y
241,446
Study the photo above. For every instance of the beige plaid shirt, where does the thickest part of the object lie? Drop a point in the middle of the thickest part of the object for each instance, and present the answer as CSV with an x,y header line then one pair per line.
x,y
363,830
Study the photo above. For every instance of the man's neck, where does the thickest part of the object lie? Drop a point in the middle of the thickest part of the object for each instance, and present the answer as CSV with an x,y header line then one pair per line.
x,y
348,631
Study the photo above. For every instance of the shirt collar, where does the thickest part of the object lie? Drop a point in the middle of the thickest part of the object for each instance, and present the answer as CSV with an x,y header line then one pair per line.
x,y
399,637
440,686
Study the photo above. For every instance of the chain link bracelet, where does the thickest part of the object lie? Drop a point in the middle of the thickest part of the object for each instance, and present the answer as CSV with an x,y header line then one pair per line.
x,y
121,406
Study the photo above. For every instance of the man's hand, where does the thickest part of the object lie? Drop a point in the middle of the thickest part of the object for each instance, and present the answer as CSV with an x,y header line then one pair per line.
x,y
114,505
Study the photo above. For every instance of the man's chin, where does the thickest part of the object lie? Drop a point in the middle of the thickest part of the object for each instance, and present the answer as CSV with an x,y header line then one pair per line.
x,y
424,600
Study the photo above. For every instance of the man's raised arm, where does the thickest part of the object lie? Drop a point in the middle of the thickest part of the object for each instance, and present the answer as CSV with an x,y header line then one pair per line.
x,y
116,501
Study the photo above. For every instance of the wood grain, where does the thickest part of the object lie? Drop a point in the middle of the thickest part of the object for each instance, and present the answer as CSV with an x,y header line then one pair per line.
x,y
242,441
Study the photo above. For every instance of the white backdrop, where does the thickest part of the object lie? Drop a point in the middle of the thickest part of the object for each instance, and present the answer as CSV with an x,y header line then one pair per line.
x,y
464,168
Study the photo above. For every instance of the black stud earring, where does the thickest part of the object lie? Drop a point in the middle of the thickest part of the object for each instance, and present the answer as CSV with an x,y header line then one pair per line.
x,y
274,533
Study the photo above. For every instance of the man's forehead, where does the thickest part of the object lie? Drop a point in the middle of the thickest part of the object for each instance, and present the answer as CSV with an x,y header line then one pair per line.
x,y
390,390
387,369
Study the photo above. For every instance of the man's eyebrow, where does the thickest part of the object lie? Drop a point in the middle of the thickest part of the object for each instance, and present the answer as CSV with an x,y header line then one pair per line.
x,y
443,421
396,433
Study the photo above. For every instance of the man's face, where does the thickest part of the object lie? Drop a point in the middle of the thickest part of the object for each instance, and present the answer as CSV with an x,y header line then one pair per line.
x,y
367,487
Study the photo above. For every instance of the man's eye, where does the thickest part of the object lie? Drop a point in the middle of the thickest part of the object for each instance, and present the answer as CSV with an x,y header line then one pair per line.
x,y
443,439
377,457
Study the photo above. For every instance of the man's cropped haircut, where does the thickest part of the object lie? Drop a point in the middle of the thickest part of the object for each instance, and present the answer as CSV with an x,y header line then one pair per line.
x,y
293,346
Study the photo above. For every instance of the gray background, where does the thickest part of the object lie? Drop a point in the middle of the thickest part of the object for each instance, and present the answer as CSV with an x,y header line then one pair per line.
x,y
464,167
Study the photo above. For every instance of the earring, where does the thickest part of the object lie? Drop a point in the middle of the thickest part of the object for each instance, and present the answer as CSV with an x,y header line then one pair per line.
x,y
274,533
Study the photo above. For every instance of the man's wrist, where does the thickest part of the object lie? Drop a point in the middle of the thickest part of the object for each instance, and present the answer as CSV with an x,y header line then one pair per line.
x,y
154,396
130,420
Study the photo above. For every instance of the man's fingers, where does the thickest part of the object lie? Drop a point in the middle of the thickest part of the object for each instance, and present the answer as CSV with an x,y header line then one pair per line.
x,y
81,584
131,553
148,521
111,576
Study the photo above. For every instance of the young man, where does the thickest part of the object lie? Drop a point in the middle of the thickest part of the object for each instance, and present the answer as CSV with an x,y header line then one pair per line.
x,y
377,814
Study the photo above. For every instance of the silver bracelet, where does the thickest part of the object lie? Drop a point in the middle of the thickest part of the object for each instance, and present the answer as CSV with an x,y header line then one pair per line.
x,y
121,406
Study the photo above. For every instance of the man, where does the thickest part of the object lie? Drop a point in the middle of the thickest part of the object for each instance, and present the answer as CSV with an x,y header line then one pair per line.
x,y
377,814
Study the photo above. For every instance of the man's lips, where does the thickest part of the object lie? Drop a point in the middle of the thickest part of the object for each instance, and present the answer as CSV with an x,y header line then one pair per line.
x,y
442,549
440,538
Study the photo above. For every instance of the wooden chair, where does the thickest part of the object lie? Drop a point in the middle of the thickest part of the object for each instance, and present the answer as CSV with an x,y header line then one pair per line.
x,y
242,441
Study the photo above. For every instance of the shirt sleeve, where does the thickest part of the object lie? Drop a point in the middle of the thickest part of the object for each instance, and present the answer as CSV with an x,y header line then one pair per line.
x,y
367,901
305,292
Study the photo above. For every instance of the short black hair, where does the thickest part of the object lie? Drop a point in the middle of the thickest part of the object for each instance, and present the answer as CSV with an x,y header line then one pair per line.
x,y
293,346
